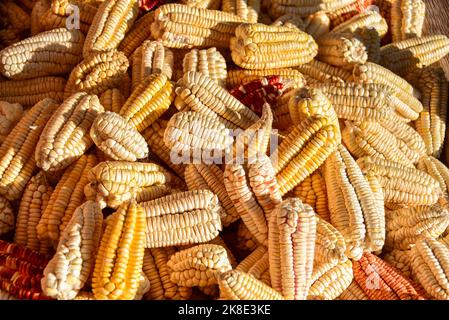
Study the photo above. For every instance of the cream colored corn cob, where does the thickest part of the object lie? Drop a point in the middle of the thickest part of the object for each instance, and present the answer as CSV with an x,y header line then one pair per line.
x,y
248,10
437,170
238,77
316,72
112,100
139,32
330,246
209,62
330,280
305,7
407,19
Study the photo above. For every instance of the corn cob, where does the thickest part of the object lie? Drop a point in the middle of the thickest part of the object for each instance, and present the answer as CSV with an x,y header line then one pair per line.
x,y
36,16
257,46
353,292
199,265
359,219
238,285
152,192
205,4
197,92
66,197
437,170
72,264
379,281
184,27
406,226
113,182
16,160
290,20
139,32
345,13
97,73
209,62
65,137
292,226
201,176
112,100
317,24
151,57
109,26
6,216
370,19
409,55
430,265
317,72
144,286
17,17
29,58
241,76
33,203
407,19
305,8
10,114
117,138
48,20
248,10
330,246
193,216
431,123
330,280
116,272
246,242
250,260
400,260
305,148
401,185
30,91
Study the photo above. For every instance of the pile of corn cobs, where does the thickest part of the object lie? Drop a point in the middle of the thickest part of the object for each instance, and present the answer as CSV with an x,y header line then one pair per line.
x,y
332,188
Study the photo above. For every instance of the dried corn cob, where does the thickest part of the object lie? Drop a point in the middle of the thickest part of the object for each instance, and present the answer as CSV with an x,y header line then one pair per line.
x,y
87,9
139,32
66,135
6,216
117,138
238,285
407,19
16,16
151,57
205,4
36,16
67,196
197,92
353,292
193,216
353,209
10,114
248,10
305,7
291,246
257,46
369,19
31,91
29,58
330,246
209,62
399,259
199,265
305,148
48,21
97,73
250,260
32,205
402,185
109,26
16,160
290,20
112,100
406,226
241,77
430,265
437,170
409,55
184,27
379,281
72,264
330,280
152,192
345,13
317,72
245,239
201,176
317,24
117,272
144,286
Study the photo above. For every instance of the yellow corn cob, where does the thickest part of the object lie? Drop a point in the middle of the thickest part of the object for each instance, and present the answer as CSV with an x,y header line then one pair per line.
x,y
219,241
199,265
150,270
30,91
34,56
305,148
305,8
66,135
317,24
318,71
117,138
112,100
139,32
330,246
201,176
330,280
67,196
184,27
341,50
431,123
182,218
238,285
97,73
352,205
48,21
70,267
399,259
151,57
152,192
290,20
209,62
370,19
401,185
257,264
196,92
291,246
430,265
32,205
257,46
248,10
353,292
281,113
245,239
87,8
205,4
109,26
10,114
250,260
117,272
437,170
37,15
154,135
6,216
406,226
17,162
409,55
407,19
